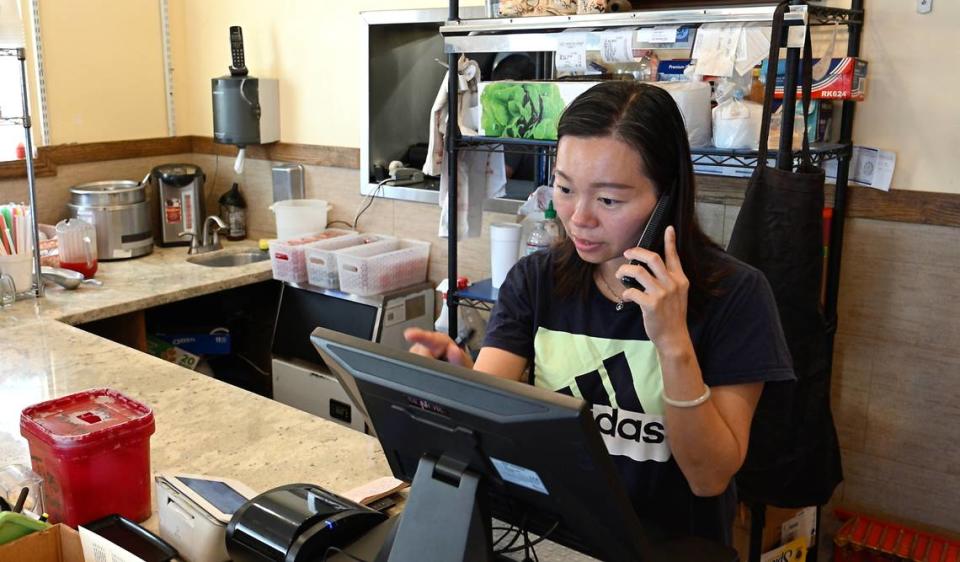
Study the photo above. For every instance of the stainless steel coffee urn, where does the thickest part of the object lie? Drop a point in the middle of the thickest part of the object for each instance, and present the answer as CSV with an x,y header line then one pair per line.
x,y
179,189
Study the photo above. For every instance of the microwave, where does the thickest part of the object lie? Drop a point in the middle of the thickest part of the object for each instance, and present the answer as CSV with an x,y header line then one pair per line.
x,y
300,377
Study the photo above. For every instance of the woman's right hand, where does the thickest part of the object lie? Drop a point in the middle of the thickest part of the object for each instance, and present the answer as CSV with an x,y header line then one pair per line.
x,y
438,346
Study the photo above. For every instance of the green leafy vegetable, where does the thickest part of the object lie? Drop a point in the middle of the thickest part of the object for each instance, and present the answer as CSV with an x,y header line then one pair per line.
x,y
525,110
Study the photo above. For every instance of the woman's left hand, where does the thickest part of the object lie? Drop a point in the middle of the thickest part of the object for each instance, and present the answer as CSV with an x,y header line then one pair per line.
x,y
664,300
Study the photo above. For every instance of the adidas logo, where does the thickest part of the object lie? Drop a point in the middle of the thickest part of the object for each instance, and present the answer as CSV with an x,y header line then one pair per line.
x,y
626,428
631,426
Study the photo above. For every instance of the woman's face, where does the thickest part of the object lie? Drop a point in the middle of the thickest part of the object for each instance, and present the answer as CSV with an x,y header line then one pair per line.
x,y
602,196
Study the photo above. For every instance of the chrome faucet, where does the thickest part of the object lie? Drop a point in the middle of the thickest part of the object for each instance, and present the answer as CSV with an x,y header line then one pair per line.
x,y
214,244
206,244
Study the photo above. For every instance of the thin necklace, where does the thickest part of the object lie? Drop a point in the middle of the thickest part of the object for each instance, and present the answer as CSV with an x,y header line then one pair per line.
x,y
611,291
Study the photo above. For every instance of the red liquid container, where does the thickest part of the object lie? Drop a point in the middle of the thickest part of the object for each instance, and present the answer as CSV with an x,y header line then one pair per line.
x,y
87,269
92,449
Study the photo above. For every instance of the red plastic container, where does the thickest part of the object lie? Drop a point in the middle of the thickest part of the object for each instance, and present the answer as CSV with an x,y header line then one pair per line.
x,y
92,449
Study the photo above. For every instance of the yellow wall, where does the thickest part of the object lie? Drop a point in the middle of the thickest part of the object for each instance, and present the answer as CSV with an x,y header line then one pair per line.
x,y
911,106
105,82
310,46
104,69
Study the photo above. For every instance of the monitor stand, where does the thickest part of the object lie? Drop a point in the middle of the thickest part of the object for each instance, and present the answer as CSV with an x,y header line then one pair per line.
x,y
445,517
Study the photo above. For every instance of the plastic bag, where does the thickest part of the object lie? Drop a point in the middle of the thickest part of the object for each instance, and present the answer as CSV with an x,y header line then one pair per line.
x,y
693,99
736,123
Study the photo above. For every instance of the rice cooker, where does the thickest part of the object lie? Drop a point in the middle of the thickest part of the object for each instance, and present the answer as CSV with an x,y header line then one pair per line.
x,y
120,213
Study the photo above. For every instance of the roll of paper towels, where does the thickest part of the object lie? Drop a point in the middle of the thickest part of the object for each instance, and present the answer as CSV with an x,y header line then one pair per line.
x,y
693,99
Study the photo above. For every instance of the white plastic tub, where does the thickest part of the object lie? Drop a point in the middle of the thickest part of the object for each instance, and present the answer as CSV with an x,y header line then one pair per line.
x,y
384,266
321,257
297,217
287,256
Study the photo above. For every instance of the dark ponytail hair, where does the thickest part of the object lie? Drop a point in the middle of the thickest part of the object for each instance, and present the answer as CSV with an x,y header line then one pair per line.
x,y
646,118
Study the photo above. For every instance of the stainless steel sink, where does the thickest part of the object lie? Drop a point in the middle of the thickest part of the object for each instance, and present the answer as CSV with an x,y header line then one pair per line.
x,y
229,259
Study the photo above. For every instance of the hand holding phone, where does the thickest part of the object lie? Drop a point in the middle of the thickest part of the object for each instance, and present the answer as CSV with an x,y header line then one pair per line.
x,y
652,233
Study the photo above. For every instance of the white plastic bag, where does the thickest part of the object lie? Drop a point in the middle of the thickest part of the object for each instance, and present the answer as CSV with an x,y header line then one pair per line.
x,y
736,124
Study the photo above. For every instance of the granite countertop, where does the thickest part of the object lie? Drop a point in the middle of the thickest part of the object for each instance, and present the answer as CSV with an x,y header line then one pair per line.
x,y
129,285
203,425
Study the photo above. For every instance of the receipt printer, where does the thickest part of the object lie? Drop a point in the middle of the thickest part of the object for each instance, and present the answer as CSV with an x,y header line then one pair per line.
x,y
296,523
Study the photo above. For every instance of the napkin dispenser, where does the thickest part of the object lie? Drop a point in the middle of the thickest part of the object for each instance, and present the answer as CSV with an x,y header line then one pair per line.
x,y
296,523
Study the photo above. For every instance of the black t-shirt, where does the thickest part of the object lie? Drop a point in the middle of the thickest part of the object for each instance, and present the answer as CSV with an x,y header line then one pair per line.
x,y
585,348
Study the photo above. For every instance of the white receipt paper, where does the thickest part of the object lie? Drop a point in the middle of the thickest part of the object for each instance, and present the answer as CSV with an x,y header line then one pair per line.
x,y
99,549
617,46
659,34
716,47
571,53
754,46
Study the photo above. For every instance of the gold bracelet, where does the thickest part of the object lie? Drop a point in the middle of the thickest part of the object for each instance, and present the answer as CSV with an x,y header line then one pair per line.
x,y
688,403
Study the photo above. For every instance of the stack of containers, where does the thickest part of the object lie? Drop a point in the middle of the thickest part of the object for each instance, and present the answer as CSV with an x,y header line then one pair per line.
x,y
92,449
381,267
321,257
288,259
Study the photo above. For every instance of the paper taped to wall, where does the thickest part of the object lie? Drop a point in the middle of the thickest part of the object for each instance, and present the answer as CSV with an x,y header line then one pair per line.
x,y
869,167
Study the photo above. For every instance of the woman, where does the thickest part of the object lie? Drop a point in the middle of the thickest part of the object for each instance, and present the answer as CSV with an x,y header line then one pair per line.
x,y
674,376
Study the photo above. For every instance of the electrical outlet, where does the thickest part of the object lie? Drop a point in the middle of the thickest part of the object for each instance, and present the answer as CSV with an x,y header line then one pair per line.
x,y
924,6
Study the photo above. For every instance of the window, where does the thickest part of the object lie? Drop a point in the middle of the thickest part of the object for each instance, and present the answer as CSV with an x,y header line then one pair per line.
x,y
11,105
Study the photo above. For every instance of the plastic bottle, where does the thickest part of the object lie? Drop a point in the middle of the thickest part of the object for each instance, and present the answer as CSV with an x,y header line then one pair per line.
x,y
442,323
233,211
552,224
545,232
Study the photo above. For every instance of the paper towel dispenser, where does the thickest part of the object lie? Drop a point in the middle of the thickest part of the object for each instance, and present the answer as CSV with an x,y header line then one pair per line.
x,y
246,110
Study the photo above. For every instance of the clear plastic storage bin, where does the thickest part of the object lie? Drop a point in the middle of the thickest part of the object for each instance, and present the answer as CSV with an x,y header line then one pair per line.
x,y
382,266
321,257
287,256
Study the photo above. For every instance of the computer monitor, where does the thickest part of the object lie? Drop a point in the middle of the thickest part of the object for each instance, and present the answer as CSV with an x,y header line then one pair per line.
x,y
474,446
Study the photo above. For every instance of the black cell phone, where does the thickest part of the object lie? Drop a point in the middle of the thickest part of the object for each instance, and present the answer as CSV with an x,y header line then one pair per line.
x,y
239,67
652,233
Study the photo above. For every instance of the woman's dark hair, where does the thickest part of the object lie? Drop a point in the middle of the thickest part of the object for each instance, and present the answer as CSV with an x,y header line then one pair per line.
x,y
646,118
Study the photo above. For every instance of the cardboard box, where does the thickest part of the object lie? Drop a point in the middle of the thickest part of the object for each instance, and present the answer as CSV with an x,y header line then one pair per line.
x,y
217,342
173,354
845,80
672,70
56,544
795,551
773,522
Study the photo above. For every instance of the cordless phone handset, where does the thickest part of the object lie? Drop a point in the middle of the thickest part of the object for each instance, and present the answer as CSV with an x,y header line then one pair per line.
x,y
239,67
651,233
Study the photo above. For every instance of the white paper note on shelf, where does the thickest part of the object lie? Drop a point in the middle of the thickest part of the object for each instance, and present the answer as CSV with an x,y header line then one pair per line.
x,y
99,549
617,46
571,53
796,35
869,167
715,49
659,34
753,47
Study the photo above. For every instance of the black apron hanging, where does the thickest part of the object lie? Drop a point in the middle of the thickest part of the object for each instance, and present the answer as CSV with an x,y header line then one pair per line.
x,y
794,457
